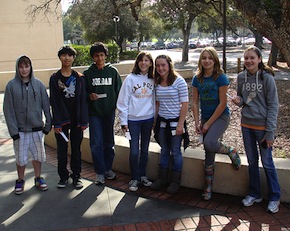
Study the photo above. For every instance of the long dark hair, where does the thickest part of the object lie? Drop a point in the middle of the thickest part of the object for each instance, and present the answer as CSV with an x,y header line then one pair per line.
x,y
261,65
136,69
172,73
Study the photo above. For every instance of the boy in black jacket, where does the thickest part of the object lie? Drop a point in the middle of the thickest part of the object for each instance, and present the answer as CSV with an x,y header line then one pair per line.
x,y
68,100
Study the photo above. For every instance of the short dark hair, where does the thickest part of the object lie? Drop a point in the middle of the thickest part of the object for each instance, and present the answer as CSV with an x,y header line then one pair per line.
x,y
66,50
98,47
24,60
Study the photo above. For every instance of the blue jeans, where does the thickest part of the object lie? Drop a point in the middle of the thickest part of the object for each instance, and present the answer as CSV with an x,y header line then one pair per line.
x,y
167,150
102,142
252,139
140,132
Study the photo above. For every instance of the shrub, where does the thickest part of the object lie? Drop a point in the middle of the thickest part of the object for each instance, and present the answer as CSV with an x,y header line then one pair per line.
x,y
129,55
83,57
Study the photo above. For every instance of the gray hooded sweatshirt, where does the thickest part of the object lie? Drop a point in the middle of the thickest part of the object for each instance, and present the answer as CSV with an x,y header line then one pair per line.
x,y
23,105
259,101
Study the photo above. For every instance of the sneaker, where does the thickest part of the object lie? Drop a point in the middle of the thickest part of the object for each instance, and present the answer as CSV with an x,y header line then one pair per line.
x,y
273,206
249,200
100,179
110,175
62,183
19,186
133,185
145,181
77,181
40,184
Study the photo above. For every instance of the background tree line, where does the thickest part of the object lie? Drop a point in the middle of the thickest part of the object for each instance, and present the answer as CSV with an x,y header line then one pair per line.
x,y
140,20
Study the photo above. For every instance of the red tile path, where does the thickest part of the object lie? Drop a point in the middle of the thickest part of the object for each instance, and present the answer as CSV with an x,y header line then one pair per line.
x,y
234,215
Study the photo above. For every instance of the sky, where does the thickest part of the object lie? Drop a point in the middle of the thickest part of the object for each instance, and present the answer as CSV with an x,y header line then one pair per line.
x,y
65,4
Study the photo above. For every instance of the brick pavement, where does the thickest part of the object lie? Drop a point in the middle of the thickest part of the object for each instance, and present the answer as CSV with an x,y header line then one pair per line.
x,y
229,214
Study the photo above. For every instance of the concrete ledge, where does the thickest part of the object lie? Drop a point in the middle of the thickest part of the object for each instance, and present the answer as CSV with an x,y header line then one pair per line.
x,y
226,179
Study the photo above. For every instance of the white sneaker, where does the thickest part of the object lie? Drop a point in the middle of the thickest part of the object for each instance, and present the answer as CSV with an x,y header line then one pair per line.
x,y
249,200
273,206
110,175
133,185
145,181
100,179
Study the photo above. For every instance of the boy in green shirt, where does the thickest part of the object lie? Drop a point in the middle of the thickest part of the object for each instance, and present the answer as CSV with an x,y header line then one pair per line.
x,y
103,84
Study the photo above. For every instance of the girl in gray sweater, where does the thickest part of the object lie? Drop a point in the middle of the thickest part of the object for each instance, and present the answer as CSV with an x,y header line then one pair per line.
x,y
257,95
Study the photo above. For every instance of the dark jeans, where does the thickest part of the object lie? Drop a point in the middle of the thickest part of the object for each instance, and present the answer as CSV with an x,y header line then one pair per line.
x,y
75,134
102,142
168,150
140,132
252,139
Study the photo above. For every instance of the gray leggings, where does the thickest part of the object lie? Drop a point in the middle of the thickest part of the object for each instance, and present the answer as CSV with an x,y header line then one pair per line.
x,y
211,140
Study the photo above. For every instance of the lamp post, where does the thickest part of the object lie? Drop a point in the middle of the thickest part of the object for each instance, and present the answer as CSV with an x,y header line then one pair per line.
x,y
116,19
224,34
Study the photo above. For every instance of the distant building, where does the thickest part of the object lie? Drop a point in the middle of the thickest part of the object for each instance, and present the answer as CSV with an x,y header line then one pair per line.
x,y
40,41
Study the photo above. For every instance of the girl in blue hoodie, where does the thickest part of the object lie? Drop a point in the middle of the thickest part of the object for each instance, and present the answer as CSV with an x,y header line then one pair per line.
x,y
257,95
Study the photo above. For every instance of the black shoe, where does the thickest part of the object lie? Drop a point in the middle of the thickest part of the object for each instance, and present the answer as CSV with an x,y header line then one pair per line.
x,y
62,183
77,181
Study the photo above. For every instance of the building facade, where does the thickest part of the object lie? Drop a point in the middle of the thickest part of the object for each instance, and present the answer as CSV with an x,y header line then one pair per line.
x,y
40,40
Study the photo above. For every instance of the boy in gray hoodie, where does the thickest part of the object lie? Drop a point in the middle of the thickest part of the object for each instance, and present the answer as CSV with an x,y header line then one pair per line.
x,y
25,100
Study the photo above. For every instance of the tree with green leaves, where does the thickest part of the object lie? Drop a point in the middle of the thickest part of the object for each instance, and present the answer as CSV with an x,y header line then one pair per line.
x,y
269,17
97,21
72,30
179,14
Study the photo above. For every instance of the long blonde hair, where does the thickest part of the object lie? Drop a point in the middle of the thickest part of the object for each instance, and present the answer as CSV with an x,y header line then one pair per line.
x,y
217,70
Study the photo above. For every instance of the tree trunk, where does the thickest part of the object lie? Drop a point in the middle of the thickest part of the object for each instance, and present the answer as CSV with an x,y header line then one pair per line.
x,y
186,33
273,26
272,61
258,39
185,46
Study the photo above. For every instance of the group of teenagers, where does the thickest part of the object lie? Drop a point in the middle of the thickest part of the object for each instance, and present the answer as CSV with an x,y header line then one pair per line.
x,y
152,97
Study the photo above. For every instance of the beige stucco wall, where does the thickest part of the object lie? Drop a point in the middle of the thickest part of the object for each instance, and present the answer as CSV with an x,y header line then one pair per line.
x,y
40,41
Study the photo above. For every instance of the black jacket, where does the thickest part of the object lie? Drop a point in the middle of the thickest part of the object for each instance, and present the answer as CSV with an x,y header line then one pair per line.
x,y
185,136
60,115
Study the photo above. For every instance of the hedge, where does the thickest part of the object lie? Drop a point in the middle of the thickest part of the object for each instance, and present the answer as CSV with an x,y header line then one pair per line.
x,y
83,57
